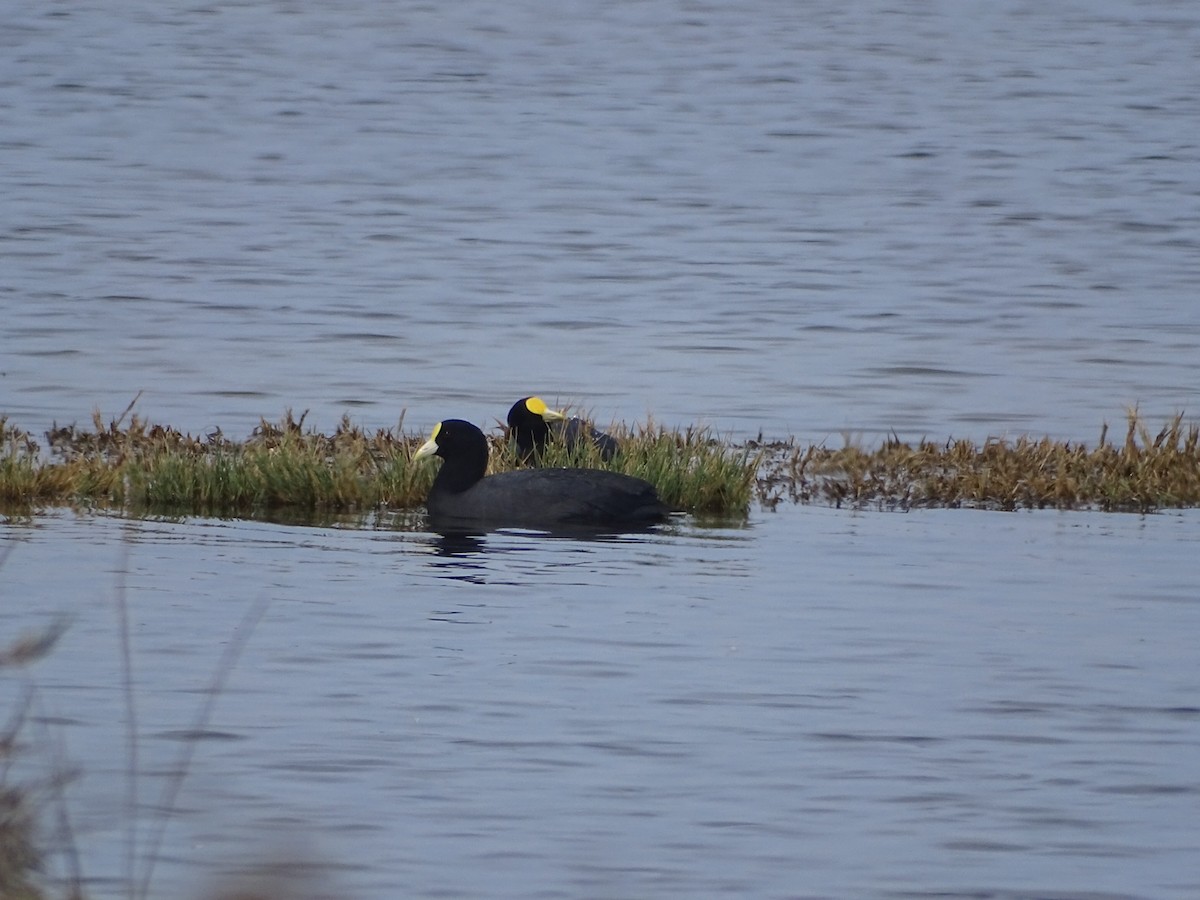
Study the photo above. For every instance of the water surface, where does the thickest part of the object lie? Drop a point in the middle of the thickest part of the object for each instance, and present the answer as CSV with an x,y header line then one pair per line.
x,y
945,219
818,704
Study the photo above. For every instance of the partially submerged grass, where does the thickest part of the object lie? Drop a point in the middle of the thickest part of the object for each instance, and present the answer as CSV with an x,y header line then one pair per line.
x,y
153,469
1144,472
286,471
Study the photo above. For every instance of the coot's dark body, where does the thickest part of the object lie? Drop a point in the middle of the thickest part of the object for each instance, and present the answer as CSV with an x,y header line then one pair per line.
x,y
463,499
535,498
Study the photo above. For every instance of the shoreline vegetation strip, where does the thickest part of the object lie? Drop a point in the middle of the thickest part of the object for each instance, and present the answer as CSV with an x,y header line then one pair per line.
x,y
285,469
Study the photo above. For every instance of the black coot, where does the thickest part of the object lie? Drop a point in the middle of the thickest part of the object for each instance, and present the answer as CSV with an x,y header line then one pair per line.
x,y
463,499
531,424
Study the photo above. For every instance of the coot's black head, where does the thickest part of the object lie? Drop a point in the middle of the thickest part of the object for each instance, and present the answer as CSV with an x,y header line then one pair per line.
x,y
464,452
528,423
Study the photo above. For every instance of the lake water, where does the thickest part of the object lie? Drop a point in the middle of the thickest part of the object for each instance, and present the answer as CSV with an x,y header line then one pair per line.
x,y
940,219
819,704
959,218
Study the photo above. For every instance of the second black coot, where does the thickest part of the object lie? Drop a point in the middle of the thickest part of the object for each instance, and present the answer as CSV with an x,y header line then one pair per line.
x,y
532,423
462,498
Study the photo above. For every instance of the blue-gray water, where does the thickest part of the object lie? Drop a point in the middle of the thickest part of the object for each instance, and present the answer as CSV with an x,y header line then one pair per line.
x,y
948,217
942,219
823,704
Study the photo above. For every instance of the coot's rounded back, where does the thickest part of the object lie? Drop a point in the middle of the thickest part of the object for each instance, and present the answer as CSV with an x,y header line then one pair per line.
x,y
462,498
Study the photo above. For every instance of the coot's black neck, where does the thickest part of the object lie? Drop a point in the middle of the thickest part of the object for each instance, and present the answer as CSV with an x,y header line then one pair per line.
x,y
466,467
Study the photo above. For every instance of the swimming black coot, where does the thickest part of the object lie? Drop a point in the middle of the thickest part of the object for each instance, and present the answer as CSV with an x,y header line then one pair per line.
x,y
531,424
462,498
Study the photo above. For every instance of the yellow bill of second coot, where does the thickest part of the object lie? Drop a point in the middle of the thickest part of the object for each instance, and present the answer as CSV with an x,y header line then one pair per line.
x,y
463,498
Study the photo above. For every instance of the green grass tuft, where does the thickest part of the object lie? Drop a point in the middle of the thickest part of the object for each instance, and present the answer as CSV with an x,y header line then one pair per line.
x,y
691,469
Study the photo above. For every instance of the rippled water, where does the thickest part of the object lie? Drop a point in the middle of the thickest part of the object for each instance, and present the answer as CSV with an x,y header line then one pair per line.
x,y
938,219
941,218
820,704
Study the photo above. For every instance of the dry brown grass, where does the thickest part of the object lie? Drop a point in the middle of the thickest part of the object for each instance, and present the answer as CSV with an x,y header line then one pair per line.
x,y
1146,471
